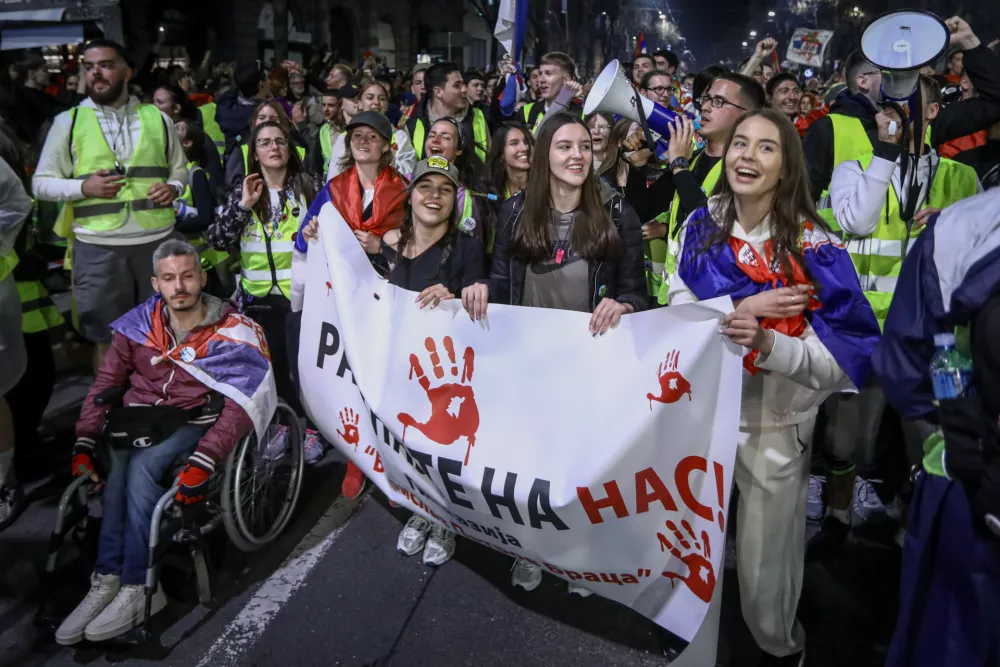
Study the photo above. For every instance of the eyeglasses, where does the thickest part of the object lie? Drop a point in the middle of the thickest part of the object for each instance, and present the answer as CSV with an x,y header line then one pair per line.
x,y
266,142
659,90
717,102
600,129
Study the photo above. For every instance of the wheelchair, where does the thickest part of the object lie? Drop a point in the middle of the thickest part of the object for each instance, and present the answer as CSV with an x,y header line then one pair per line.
x,y
252,497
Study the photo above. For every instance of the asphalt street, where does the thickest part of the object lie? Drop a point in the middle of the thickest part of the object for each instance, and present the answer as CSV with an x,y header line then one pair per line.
x,y
334,591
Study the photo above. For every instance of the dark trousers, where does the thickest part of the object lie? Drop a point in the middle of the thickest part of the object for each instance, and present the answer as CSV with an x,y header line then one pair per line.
x,y
31,394
949,611
272,313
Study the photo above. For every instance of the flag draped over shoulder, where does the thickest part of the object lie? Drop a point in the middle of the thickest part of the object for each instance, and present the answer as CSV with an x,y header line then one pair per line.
x,y
839,312
231,357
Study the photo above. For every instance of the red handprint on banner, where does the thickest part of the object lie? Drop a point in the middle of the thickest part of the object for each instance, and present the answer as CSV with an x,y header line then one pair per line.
x,y
349,418
454,412
328,288
701,575
673,385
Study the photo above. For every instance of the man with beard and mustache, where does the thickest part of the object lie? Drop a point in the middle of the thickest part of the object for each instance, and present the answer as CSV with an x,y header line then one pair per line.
x,y
193,423
118,165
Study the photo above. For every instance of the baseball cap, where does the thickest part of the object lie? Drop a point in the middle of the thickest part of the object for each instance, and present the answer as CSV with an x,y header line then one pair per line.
x,y
347,91
375,121
435,165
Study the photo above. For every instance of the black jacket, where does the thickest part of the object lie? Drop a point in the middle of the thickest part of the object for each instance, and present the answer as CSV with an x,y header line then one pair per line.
x,y
623,278
955,120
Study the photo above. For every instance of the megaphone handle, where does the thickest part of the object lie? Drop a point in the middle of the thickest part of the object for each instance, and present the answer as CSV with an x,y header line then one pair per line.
x,y
643,123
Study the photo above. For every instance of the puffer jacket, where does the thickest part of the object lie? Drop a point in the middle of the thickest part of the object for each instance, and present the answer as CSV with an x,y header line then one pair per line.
x,y
622,278
129,364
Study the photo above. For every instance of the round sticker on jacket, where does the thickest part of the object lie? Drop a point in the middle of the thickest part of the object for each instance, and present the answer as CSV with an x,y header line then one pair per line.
x,y
188,355
602,291
467,225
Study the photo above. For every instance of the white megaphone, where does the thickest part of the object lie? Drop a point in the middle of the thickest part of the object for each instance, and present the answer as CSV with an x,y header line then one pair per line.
x,y
613,93
900,43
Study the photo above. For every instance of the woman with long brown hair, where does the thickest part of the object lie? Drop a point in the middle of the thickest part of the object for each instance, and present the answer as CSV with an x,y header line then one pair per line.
x,y
509,161
564,243
269,111
262,214
807,325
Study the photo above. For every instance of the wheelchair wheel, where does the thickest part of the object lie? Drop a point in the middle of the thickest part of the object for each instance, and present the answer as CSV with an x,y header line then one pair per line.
x,y
259,495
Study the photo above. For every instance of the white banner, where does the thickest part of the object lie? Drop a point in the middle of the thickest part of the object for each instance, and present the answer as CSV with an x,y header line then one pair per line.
x,y
808,46
608,461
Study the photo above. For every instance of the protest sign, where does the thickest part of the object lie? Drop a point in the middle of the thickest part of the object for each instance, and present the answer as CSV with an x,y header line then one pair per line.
x,y
807,47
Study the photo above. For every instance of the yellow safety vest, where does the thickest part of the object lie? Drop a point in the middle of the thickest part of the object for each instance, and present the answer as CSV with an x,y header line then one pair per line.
x,y
211,127
535,122
850,142
7,265
148,165
38,312
210,257
326,146
878,258
266,252
671,242
246,155
480,134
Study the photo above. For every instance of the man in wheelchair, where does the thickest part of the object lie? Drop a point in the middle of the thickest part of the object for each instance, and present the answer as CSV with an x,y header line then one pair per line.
x,y
194,377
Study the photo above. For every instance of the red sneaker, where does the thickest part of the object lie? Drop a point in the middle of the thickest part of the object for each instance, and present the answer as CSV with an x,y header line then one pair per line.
x,y
354,482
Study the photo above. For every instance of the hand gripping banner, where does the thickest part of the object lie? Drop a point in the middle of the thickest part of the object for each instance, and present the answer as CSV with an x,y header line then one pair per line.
x,y
607,461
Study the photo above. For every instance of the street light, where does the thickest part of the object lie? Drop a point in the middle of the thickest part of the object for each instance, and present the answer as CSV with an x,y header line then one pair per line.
x,y
744,43
771,14
753,33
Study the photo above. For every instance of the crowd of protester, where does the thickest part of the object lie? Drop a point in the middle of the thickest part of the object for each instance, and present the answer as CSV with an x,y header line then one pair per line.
x,y
146,172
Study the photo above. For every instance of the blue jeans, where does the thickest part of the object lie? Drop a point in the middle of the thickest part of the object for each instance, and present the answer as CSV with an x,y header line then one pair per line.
x,y
131,493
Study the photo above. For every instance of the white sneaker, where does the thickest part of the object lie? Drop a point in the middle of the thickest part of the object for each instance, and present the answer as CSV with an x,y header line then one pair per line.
x,y
313,447
866,501
440,546
277,442
103,589
572,589
125,612
413,536
814,506
526,575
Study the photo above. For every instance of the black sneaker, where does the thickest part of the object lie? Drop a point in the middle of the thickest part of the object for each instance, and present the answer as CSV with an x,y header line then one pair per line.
x,y
793,660
828,541
11,504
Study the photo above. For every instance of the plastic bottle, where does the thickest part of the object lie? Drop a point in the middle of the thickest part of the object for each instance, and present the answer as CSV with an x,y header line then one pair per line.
x,y
951,371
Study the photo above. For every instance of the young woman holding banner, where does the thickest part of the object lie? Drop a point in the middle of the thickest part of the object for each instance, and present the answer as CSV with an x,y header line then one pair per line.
x,y
807,325
558,245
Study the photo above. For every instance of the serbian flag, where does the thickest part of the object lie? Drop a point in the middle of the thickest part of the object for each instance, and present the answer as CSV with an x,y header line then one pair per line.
x,y
512,22
640,44
838,312
230,357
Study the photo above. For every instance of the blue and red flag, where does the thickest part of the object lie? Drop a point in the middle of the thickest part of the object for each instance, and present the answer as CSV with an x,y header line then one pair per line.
x,y
512,24
231,357
640,44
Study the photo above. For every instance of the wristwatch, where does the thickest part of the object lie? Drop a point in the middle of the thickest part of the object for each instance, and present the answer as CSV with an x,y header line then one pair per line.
x,y
680,163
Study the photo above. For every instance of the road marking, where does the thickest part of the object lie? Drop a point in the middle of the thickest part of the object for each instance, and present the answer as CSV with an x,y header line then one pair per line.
x,y
249,625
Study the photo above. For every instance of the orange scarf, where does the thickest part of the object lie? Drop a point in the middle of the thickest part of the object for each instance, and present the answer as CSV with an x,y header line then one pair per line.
x,y
387,207
759,271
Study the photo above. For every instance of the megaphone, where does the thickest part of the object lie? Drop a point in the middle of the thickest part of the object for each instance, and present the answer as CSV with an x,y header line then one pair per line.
x,y
613,93
900,43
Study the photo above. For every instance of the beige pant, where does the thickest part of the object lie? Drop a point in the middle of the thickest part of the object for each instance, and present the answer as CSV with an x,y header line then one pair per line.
x,y
772,475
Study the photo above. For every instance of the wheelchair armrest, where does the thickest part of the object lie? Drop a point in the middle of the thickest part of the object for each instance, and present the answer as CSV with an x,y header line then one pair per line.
x,y
111,397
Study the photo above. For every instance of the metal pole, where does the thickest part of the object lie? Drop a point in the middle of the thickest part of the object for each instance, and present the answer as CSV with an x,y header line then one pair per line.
x,y
449,48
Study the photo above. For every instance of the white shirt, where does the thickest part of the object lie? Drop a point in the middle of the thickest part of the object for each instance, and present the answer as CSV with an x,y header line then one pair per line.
x,y
53,180
798,374
858,195
405,160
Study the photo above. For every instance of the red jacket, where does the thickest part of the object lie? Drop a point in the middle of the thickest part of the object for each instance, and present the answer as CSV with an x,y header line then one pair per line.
x,y
130,364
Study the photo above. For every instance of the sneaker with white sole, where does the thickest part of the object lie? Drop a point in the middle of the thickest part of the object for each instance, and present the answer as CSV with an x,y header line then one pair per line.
x,y
125,612
313,447
526,575
440,546
103,589
11,503
413,536
866,500
814,506
572,589
277,442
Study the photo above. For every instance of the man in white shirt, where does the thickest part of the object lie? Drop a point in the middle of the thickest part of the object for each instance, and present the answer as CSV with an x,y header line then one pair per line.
x,y
118,165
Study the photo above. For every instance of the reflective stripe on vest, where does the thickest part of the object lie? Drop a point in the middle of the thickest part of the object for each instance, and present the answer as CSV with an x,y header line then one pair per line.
x,y
38,312
850,142
267,260
212,128
148,165
673,247
878,258
325,146
246,155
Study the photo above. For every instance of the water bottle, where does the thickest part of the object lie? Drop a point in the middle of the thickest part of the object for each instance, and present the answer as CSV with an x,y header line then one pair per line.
x,y
951,371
